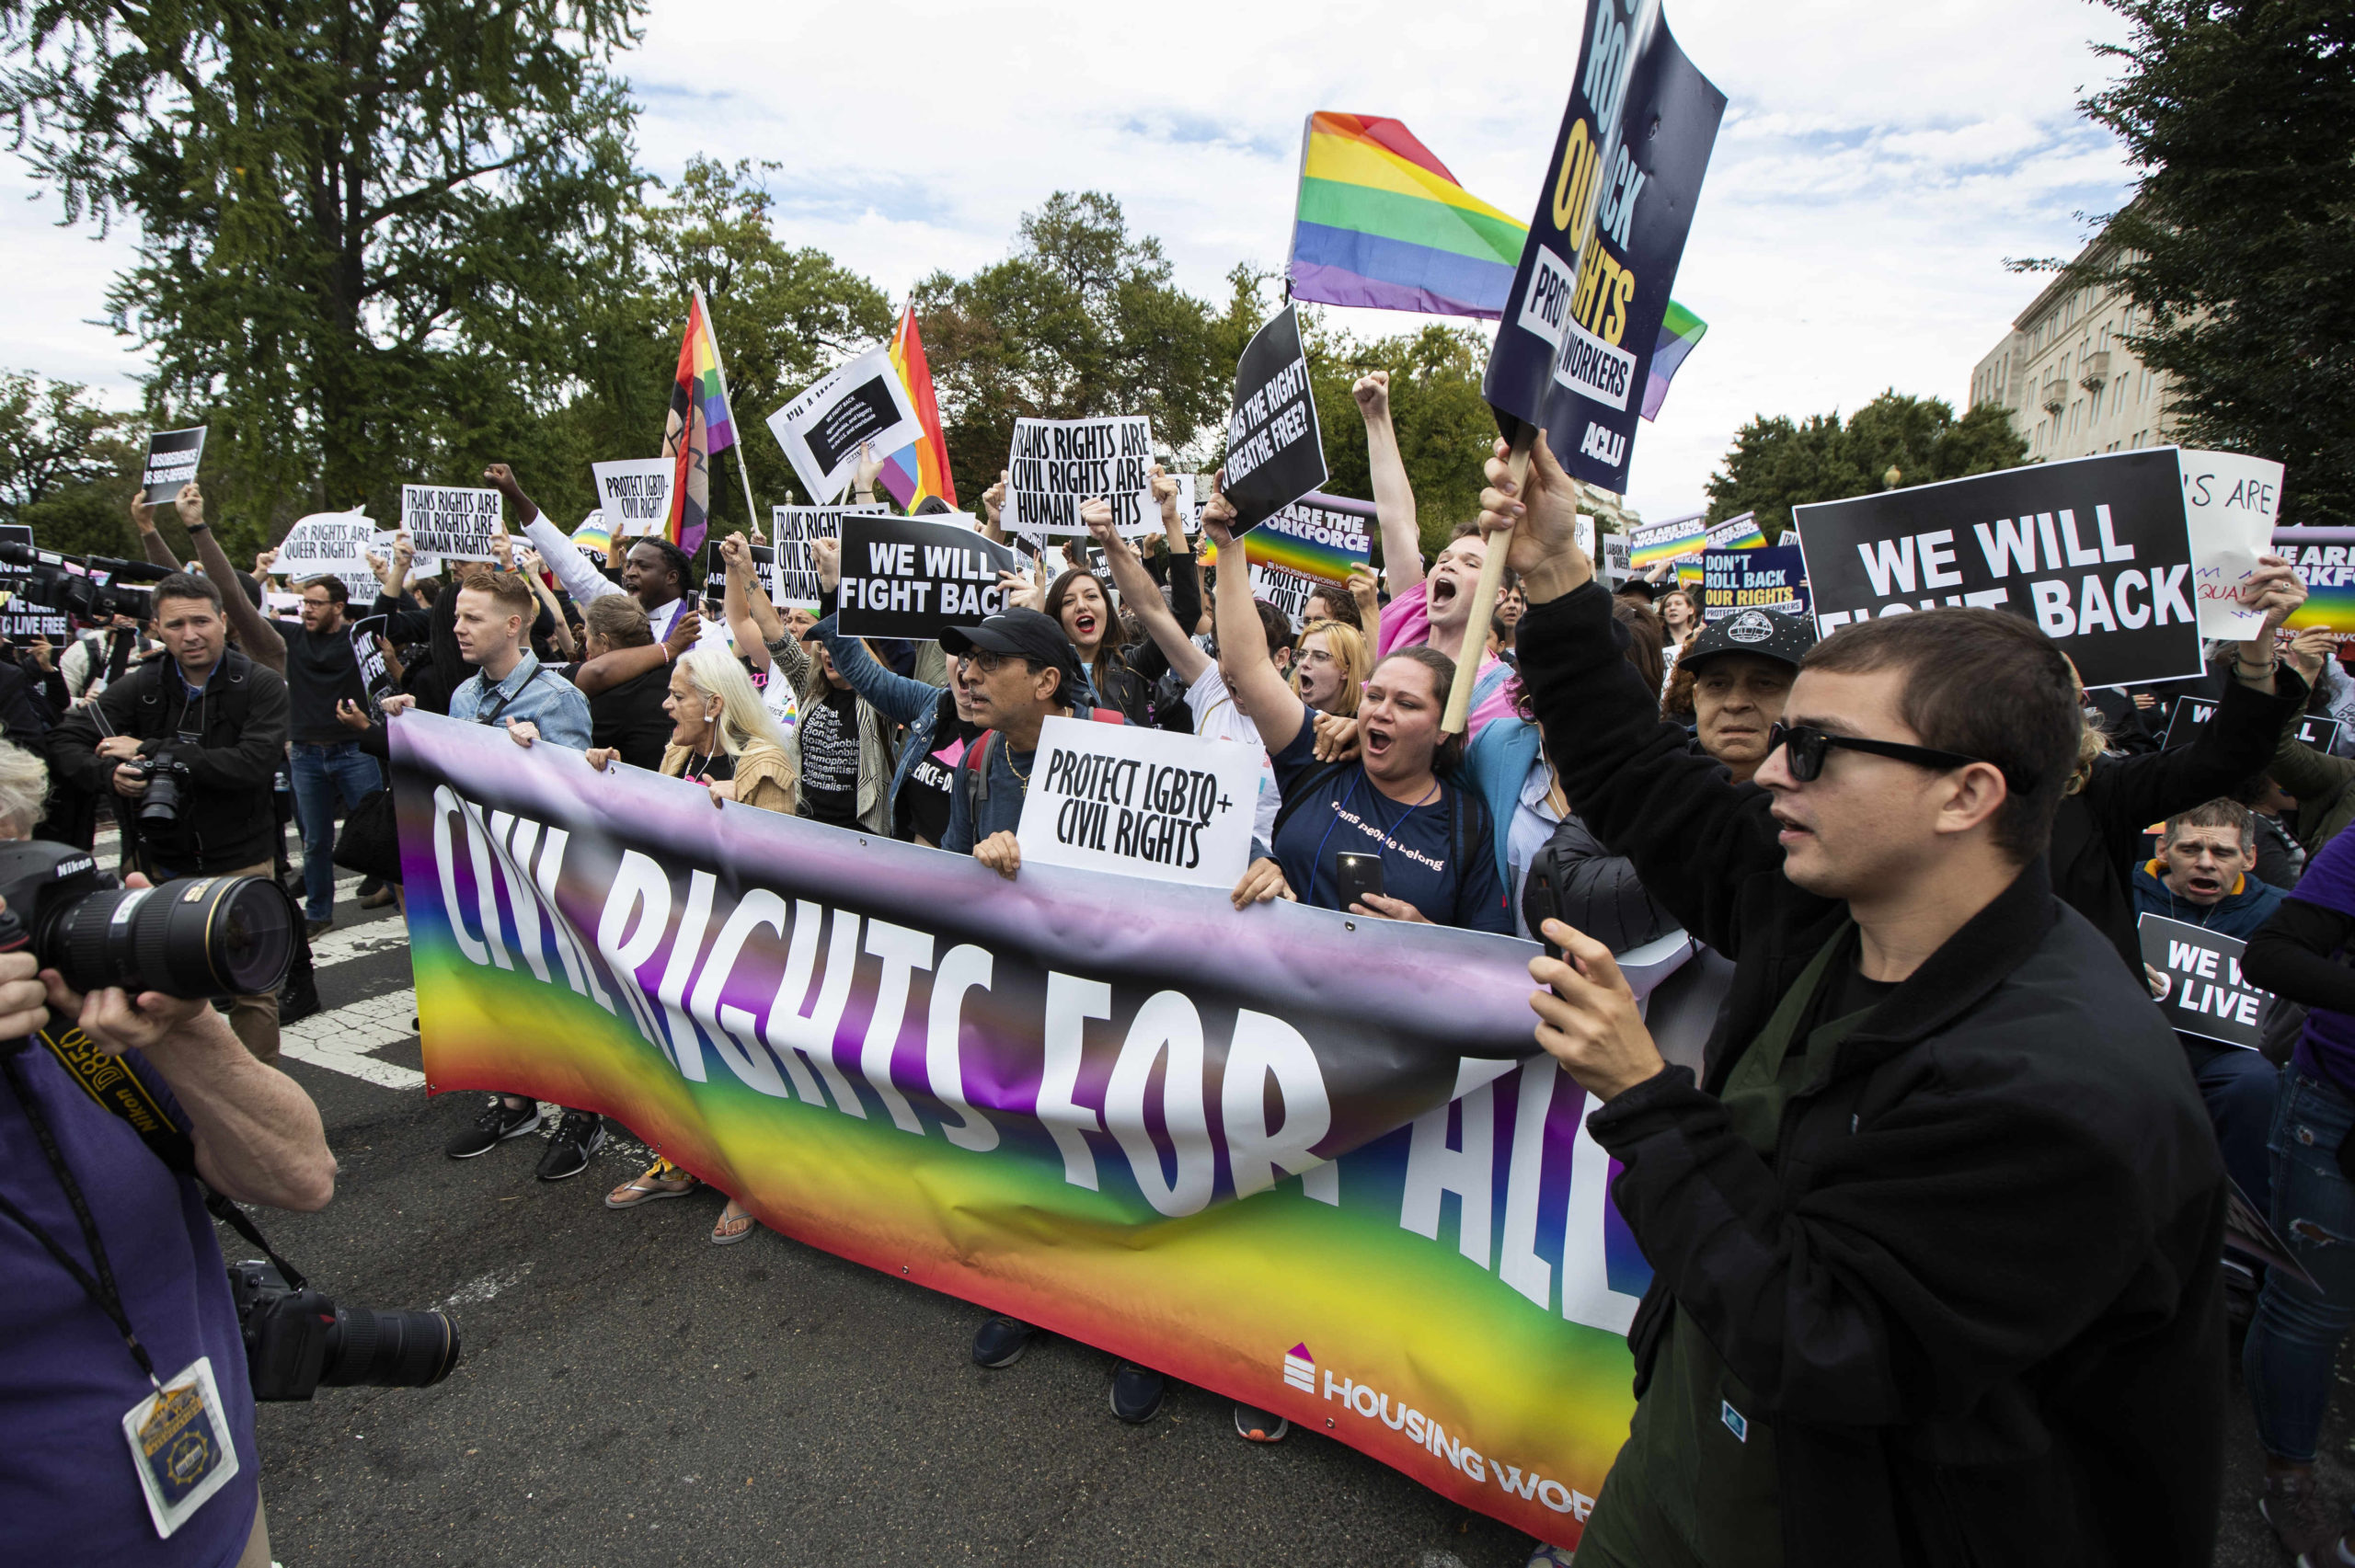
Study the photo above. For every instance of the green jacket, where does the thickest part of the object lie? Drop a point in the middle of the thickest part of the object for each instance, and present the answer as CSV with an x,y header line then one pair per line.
x,y
2324,788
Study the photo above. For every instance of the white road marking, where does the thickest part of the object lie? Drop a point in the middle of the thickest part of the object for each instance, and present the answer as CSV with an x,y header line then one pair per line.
x,y
342,1037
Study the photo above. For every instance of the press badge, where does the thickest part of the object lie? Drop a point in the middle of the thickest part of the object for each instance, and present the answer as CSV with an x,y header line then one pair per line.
x,y
180,1445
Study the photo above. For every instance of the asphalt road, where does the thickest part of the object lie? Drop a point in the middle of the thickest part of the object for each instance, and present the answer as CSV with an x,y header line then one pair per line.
x,y
630,1394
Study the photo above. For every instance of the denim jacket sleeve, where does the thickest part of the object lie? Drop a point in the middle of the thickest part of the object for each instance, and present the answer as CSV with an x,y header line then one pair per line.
x,y
892,695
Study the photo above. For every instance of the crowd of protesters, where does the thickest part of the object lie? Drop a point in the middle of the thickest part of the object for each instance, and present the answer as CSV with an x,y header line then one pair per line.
x,y
1936,1199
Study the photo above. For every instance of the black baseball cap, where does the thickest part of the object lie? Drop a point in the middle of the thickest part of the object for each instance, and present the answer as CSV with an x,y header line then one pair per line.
x,y
1636,588
1783,638
1025,634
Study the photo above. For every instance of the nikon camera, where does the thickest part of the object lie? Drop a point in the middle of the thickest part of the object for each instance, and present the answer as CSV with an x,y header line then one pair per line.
x,y
296,1340
193,936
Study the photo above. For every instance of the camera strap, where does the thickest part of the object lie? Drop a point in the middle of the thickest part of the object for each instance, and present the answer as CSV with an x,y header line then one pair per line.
x,y
114,1084
102,1290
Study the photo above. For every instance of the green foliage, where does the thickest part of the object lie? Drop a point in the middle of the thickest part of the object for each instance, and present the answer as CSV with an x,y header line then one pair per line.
x,y
370,237
2238,250
53,437
1081,320
1446,429
1777,463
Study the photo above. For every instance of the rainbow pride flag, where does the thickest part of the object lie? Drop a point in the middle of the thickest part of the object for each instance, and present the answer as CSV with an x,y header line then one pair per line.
x,y
920,468
1680,331
698,427
1382,224
593,535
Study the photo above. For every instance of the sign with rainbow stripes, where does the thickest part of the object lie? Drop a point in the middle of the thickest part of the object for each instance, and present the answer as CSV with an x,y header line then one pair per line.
x,y
2325,558
1294,1158
1317,536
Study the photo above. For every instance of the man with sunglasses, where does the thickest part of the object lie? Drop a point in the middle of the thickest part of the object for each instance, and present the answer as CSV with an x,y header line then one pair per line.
x,y
1935,1237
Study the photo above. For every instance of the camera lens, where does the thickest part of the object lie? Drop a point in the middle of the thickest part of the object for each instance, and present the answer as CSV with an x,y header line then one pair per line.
x,y
213,936
389,1350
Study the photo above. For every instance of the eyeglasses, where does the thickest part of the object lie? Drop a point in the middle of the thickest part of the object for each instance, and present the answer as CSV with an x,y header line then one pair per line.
x,y
1807,746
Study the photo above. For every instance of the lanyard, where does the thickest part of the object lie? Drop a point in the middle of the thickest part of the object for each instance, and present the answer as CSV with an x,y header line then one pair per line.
x,y
101,1290
500,706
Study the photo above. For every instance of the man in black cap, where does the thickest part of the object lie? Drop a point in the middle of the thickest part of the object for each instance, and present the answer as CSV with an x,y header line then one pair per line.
x,y
1742,669
1023,672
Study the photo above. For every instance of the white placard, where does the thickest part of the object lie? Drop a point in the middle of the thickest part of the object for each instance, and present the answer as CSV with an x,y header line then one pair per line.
x,y
1056,464
2232,503
452,520
1286,590
331,544
820,429
635,496
1147,803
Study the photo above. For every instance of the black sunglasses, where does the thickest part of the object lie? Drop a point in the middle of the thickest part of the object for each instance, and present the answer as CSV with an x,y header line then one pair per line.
x,y
1807,746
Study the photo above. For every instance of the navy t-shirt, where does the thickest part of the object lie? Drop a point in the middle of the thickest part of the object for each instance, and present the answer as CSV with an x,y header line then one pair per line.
x,y
1344,813
68,1492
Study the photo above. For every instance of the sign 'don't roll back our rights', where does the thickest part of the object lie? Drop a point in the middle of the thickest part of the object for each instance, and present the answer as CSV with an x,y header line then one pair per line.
x,y
2097,552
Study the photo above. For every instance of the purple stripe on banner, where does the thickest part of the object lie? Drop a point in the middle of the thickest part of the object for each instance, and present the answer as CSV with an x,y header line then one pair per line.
x,y
1664,368
1483,286
899,477
1339,286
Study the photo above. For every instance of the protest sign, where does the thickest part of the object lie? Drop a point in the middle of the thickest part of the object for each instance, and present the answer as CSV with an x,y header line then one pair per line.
x,y
1142,802
1287,591
1312,1143
16,533
375,675
1057,463
2230,502
592,538
1772,578
821,430
1574,350
916,576
635,496
22,621
172,457
2324,558
1317,536
2096,550
1275,453
2206,994
2190,714
331,544
791,573
1617,567
452,520
1193,489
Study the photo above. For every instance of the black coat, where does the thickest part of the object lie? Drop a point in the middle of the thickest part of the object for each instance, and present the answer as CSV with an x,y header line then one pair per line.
x,y
228,816
2097,833
1977,1288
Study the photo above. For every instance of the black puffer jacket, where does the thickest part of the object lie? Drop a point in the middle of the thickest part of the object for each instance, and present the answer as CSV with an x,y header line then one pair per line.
x,y
1977,1286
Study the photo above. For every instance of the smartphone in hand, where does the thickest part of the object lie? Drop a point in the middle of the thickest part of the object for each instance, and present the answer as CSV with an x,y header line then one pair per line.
x,y
1358,876
1540,904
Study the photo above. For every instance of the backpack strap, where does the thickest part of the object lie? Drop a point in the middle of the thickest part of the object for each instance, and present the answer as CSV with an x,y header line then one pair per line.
x,y
976,774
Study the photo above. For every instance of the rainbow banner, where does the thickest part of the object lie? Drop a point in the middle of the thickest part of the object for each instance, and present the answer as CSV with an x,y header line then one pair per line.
x,y
2324,558
1292,1157
1382,224
1680,333
697,428
1684,538
592,538
920,468
1317,536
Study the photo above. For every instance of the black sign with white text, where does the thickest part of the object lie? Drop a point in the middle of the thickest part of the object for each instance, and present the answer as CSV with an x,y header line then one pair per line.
x,y
915,577
172,457
1275,453
2095,550
2191,714
2206,994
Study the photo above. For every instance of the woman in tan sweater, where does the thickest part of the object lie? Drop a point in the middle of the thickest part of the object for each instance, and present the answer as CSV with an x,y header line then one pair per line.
x,y
727,740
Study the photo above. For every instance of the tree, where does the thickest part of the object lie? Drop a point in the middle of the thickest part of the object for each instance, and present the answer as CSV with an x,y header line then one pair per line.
x,y
369,235
1446,429
2238,249
1777,463
51,437
1081,320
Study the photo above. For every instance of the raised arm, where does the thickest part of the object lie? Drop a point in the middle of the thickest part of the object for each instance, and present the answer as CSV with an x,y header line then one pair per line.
x,y
1394,498
608,670
577,576
142,516
887,691
1139,594
993,506
752,620
1694,836
533,567
255,634
1260,690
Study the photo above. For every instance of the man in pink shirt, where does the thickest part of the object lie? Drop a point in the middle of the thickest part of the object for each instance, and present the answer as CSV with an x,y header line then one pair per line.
x,y
1434,609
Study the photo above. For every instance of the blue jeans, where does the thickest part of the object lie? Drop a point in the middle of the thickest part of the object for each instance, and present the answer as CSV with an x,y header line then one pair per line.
x,y
2293,1341
325,774
2240,1089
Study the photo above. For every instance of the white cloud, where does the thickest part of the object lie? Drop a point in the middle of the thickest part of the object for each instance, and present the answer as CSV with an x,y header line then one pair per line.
x,y
1876,163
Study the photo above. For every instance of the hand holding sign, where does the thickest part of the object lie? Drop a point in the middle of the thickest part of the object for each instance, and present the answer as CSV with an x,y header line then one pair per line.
x,y
1543,522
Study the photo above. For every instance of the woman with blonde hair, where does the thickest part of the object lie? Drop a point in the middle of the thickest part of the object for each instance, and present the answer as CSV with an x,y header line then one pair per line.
x,y
1330,671
726,739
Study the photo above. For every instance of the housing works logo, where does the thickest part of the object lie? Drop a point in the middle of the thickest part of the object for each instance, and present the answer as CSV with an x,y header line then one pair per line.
x,y
1370,1404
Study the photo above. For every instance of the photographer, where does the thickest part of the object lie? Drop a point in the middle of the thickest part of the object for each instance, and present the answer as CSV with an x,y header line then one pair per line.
x,y
101,1241
194,742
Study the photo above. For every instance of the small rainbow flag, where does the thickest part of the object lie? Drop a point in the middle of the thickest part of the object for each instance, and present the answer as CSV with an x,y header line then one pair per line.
x,y
920,468
594,535
1382,224
697,428
1680,330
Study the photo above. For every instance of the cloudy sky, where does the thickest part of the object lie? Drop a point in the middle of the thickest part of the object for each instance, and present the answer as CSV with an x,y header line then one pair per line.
x,y
1877,163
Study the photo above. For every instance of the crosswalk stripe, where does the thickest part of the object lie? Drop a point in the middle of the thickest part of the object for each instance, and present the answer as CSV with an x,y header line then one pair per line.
x,y
358,942
342,1037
